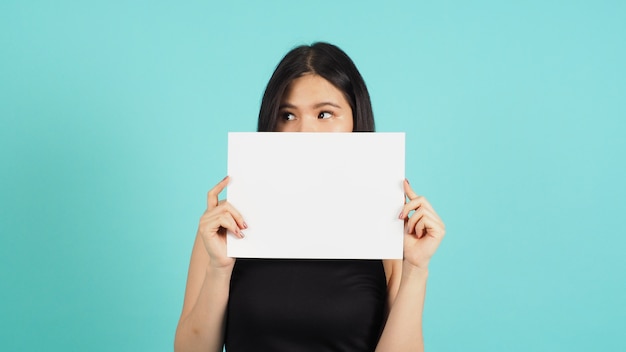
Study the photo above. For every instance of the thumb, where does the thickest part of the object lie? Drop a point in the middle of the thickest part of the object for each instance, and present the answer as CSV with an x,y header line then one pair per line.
x,y
408,190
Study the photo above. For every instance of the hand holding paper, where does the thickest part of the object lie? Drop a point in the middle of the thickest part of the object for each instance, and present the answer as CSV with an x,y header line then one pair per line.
x,y
424,229
219,217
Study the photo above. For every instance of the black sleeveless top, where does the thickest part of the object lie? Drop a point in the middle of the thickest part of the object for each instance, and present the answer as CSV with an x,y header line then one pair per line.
x,y
305,305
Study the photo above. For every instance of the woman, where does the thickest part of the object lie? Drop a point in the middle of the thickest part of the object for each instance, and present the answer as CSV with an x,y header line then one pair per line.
x,y
308,305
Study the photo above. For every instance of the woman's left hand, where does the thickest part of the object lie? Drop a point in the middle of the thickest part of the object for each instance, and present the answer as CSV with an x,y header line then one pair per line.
x,y
423,230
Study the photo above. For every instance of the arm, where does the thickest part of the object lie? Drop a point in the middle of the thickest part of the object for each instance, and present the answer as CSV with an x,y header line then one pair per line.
x,y
424,230
403,329
202,322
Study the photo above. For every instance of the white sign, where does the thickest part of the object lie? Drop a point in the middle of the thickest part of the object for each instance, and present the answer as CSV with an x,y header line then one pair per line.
x,y
317,195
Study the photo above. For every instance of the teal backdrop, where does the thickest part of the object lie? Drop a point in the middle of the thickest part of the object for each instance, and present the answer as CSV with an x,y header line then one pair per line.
x,y
114,117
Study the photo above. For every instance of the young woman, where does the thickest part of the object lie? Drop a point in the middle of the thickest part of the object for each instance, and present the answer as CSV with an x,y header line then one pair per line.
x,y
308,305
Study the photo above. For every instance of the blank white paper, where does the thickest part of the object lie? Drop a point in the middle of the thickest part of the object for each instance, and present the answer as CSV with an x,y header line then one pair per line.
x,y
317,195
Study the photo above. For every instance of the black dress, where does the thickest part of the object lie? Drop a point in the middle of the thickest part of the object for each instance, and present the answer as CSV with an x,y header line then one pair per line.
x,y
305,305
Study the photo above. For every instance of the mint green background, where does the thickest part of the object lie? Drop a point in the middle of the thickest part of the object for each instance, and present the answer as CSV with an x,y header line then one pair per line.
x,y
113,126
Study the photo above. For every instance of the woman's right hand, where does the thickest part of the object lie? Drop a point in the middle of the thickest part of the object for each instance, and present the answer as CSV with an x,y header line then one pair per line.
x,y
219,217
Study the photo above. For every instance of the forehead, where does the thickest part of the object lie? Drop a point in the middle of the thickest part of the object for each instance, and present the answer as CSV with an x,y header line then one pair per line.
x,y
311,87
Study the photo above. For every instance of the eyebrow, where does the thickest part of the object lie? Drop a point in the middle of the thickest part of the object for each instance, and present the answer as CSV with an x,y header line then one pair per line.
x,y
316,106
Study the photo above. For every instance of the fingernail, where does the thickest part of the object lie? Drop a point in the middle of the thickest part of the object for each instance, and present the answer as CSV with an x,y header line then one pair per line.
x,y
225,177
407,180
401,216
241,235
245,226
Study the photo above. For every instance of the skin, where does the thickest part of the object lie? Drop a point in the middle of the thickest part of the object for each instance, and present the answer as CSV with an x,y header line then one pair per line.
x,y
310,104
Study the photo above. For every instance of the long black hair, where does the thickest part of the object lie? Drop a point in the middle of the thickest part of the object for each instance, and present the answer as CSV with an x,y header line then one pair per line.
x,y
329,62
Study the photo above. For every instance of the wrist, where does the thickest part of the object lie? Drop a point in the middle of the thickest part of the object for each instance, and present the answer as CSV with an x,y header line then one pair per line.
x,y
412,270
219,274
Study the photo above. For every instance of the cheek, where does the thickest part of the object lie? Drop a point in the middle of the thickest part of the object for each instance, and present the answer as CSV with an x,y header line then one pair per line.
x,y
335,126
347,125
344,127
284,127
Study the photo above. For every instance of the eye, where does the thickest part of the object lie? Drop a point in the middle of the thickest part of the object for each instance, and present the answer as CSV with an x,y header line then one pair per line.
x,y
324,115
287,116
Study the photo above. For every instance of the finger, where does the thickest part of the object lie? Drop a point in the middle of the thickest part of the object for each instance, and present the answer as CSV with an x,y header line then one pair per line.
x,y
427,204
408,190
428,213
424,219
413,204
417,219
227,221
211,199
430,227
419,202
413,220
235,214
